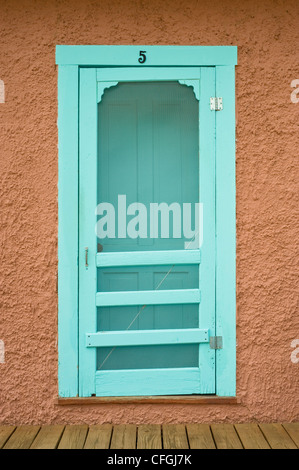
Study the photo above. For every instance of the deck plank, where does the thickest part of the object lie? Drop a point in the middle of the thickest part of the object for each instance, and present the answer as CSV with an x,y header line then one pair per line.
x,y
174,436
226,437
48,437
277,436
22,437
251,436
293,430
98,437
73,437
149,436
5,433
123,436
200,436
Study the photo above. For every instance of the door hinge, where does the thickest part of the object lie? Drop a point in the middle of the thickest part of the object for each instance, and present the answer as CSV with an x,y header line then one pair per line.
x,y
216,103
216,342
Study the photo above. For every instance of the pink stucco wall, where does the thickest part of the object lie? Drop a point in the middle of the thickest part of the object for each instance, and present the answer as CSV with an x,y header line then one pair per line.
x,y
266,33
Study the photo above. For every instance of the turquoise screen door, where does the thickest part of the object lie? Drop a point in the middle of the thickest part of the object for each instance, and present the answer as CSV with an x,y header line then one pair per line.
x,y
146,231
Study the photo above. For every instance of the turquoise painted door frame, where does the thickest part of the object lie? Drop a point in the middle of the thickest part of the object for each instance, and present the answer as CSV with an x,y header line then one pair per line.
x,y
77,359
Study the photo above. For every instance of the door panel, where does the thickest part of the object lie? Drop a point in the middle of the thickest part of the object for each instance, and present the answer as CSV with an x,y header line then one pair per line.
x,y
148,151
147,137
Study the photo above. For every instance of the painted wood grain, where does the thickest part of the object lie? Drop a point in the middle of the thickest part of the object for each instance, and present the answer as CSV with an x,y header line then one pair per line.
x,y
68,231
156,55
87,236
147,337
226,233
162,381
139,73
148,258
207,188
150,297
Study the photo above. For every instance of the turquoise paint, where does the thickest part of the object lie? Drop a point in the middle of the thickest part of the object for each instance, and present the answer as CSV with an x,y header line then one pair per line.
x,y
147,337
144,258
87,238
162,381
207,198
135,74
145,177
226,233
68,214
68,231
148,297
156,55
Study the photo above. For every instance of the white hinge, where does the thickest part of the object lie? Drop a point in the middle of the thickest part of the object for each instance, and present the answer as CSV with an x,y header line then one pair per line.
x,y
216,103
216,342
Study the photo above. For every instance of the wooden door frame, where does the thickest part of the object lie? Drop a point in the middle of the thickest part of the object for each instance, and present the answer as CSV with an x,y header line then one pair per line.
x,y
70,59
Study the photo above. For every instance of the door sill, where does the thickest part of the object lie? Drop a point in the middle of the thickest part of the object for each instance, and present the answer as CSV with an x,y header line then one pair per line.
x,y
181,399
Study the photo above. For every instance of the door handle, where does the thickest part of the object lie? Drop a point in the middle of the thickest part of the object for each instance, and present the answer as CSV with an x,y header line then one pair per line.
x,y
86,257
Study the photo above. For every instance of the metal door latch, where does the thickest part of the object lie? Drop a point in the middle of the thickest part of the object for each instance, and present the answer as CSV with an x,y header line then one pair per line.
x,y
216,103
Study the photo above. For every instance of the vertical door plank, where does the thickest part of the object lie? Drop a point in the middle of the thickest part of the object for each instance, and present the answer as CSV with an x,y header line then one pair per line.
x,y
251,436
48,437
123,437
149,436
87,236
5,433
174,436
293,430
22,438
277,437
98,437
73,437
200,436
226,437
68,231
226,233
207,198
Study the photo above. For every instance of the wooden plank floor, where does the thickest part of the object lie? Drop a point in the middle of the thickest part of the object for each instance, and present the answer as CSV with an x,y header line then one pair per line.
x,y
152,436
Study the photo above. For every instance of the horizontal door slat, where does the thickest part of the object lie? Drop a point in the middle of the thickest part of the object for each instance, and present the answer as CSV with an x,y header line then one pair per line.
x,y
148,297
148,258
163,73
138,382
147,337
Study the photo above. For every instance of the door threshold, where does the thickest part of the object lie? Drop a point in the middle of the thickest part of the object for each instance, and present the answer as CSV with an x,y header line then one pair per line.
x,y
180,399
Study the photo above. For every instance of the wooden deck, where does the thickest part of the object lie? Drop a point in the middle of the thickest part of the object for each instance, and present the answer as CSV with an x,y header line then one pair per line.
x,y
152,436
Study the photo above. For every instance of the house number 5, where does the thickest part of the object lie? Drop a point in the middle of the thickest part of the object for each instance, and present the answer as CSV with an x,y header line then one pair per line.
x,y
142,57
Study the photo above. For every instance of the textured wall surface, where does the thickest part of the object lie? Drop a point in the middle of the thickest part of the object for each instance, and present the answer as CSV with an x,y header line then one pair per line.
x,y
266,33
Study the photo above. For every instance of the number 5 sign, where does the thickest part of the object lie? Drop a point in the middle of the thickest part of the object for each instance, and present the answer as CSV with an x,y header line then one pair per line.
x,y
142,57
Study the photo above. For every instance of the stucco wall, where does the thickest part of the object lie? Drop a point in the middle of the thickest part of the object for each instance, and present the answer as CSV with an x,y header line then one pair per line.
x,y
266,33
